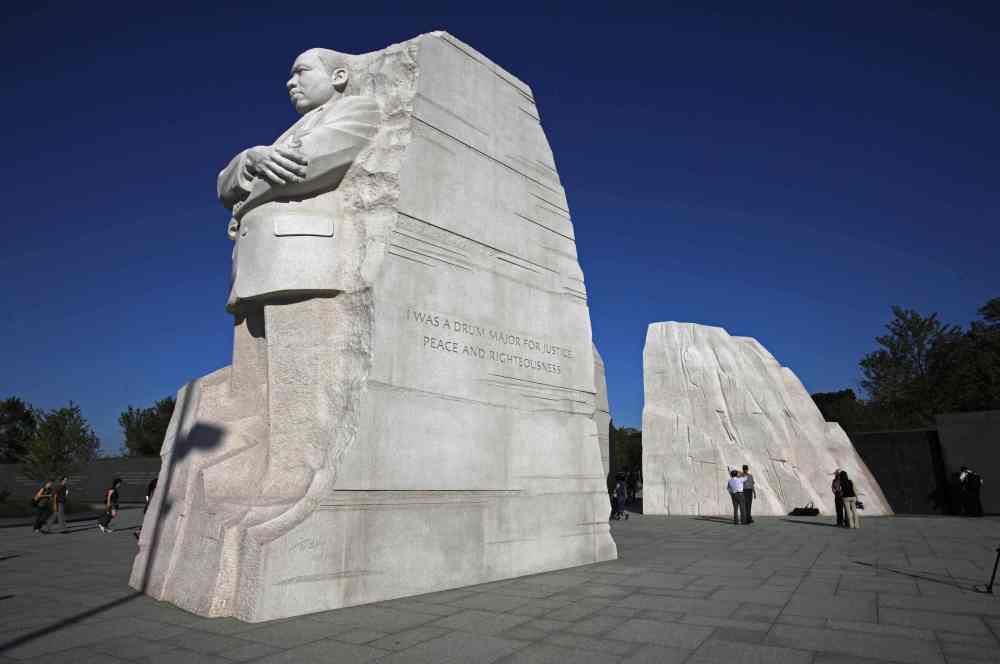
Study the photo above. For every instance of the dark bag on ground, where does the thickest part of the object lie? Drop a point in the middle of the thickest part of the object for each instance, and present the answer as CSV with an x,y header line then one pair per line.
x,y
808,510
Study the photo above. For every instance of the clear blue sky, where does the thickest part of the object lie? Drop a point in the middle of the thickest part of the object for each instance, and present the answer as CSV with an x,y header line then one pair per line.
x,y
786,170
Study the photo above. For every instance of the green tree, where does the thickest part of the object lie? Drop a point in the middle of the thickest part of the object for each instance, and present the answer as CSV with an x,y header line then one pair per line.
x,y
852,413
971,377
18,422
145,428
63,441
628,448
922,368
904,377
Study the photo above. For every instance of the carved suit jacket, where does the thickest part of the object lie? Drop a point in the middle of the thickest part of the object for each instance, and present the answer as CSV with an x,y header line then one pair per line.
x,y
287,242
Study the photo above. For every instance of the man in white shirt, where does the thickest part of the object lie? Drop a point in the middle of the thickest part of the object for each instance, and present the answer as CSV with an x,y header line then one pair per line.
x,y
735,488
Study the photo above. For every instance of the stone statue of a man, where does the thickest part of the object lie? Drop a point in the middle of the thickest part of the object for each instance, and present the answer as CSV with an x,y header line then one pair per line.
x,y
280,194
296,328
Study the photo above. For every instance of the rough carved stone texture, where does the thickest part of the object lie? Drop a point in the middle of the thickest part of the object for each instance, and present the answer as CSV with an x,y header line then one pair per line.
x,y
430,424
715,402
602,416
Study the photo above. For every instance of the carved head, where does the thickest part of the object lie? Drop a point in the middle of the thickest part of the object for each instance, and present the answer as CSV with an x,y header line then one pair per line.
x,y
318,75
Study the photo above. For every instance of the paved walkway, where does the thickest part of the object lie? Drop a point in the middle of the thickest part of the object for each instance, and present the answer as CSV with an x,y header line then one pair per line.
x,y
692,590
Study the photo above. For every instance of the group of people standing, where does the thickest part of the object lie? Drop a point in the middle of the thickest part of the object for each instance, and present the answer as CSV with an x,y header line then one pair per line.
x,y
845,500
742,491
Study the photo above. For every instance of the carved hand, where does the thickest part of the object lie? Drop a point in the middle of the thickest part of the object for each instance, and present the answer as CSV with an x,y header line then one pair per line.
x,y
278,164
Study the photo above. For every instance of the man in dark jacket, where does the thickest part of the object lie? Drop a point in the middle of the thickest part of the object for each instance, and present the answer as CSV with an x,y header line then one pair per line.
x,y
971,484
749,493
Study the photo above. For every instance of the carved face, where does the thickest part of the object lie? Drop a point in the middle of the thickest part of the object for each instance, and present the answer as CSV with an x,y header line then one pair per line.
x,y
311,85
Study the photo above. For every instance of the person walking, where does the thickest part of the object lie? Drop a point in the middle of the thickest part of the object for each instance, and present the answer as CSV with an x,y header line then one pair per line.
x,y
621,495
735,488
971,484
42,502
150,488
110,506
749,493
838,499
850,500
631,483
59,496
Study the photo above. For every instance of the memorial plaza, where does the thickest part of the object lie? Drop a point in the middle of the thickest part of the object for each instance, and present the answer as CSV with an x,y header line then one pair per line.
x,y
685,589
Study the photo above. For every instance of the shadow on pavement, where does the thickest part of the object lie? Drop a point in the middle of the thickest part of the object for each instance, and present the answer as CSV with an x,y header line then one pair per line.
x,y
813,523
200,437
715,519
72,620
924,576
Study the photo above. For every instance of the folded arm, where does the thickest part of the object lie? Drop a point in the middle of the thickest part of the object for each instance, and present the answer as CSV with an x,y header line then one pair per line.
x,y
319,158
235,181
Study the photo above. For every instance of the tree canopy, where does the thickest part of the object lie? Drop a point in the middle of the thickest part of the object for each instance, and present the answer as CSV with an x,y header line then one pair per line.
x,y
145,428
62,442
628,448
921,368
18,422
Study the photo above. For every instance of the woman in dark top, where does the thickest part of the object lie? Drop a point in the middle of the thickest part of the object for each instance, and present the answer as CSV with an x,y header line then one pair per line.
x,y
43,505
110,507
850,500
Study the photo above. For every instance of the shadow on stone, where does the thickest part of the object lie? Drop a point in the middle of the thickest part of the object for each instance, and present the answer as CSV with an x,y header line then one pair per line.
x,y
200,437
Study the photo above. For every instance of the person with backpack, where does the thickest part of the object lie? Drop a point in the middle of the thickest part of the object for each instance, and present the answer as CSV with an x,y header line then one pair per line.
x,y
59,495
42,502
110,506
850,497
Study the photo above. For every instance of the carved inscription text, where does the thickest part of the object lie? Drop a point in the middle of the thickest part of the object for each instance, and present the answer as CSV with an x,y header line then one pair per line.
x,y
449,334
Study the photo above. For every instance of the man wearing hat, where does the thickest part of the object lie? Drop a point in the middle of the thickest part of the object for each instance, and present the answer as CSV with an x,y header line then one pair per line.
x,y
838,499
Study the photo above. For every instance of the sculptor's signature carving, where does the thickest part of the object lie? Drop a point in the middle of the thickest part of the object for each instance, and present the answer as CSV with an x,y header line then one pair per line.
x,y
306,544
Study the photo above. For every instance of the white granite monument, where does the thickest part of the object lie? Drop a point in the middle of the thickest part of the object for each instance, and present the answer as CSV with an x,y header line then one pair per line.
x,y
411,401
714,403
602,416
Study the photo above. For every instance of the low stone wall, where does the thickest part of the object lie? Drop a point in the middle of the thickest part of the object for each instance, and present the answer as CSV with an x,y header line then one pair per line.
x,y
973,440
908,467
89,483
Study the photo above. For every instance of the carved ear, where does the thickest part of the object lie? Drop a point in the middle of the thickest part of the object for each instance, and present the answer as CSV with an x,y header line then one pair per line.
x,y
340,79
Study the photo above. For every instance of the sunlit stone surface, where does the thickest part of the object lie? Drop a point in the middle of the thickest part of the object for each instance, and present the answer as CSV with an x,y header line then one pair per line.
x,y
602,416
715,402
411,402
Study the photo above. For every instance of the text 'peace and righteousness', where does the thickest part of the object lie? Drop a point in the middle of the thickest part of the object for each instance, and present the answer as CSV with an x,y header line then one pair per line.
x,y
447,334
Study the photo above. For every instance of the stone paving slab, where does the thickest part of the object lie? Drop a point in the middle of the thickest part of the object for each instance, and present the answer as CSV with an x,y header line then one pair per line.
x,y
685,590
